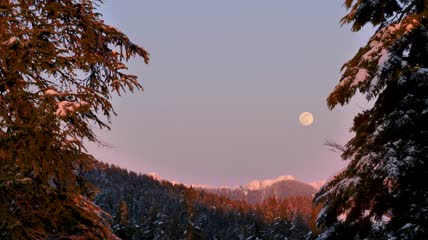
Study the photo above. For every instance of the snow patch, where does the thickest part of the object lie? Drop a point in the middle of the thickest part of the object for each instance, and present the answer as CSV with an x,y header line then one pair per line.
x,y
67,107
373,83
251,186
203,186
374,48
260,184
361,75
384,57
11,41
52,92
155,176
422,71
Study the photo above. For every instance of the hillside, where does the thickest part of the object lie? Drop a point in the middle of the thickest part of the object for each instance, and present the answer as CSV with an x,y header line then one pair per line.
x,y
162,210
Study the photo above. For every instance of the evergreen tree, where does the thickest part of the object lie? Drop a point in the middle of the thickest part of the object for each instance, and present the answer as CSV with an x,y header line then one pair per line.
x,y
122,216
121,221
383,192
59,65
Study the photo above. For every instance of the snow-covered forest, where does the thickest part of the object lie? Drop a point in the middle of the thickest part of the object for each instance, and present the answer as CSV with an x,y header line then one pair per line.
x,y
142,207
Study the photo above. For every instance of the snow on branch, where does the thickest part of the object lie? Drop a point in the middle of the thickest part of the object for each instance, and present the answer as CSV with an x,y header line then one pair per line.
x,y
67,107
364,71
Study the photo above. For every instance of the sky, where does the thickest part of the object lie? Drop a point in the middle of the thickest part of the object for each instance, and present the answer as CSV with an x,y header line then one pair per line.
x,y
225,86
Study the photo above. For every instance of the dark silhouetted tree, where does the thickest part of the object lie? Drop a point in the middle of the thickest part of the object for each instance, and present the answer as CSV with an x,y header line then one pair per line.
x,y
383,192
59,65
121,221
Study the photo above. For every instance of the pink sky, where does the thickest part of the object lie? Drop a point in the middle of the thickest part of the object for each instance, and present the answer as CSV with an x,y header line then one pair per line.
x,y
225,86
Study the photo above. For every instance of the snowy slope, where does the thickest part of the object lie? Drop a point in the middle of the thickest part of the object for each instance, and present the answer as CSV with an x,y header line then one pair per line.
x,y
258,191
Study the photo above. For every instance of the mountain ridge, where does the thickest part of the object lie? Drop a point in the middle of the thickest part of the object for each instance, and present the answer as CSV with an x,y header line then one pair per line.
x,y
257,191
251,185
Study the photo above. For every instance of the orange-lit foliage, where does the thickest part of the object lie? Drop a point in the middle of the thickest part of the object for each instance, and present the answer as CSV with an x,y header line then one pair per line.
x,y
59,66
270,209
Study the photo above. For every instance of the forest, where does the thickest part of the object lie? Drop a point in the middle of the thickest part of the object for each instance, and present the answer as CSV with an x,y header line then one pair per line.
x,y
144,208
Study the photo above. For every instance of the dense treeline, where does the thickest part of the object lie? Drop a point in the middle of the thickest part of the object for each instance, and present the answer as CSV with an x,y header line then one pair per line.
x,y
144,208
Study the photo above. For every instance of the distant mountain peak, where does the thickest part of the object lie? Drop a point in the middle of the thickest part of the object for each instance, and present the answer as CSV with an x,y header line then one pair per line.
x,y
318,184
254,185
260,184
257,191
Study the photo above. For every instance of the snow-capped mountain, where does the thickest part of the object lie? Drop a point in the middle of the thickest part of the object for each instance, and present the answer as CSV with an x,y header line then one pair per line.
x,y
257,191
318,184
260,184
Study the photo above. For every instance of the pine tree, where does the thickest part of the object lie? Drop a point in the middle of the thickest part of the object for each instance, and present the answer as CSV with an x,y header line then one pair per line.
x,y
59,65
121,221
383,192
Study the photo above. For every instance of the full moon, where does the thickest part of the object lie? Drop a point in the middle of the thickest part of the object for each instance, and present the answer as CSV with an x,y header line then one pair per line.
x,y
306,118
